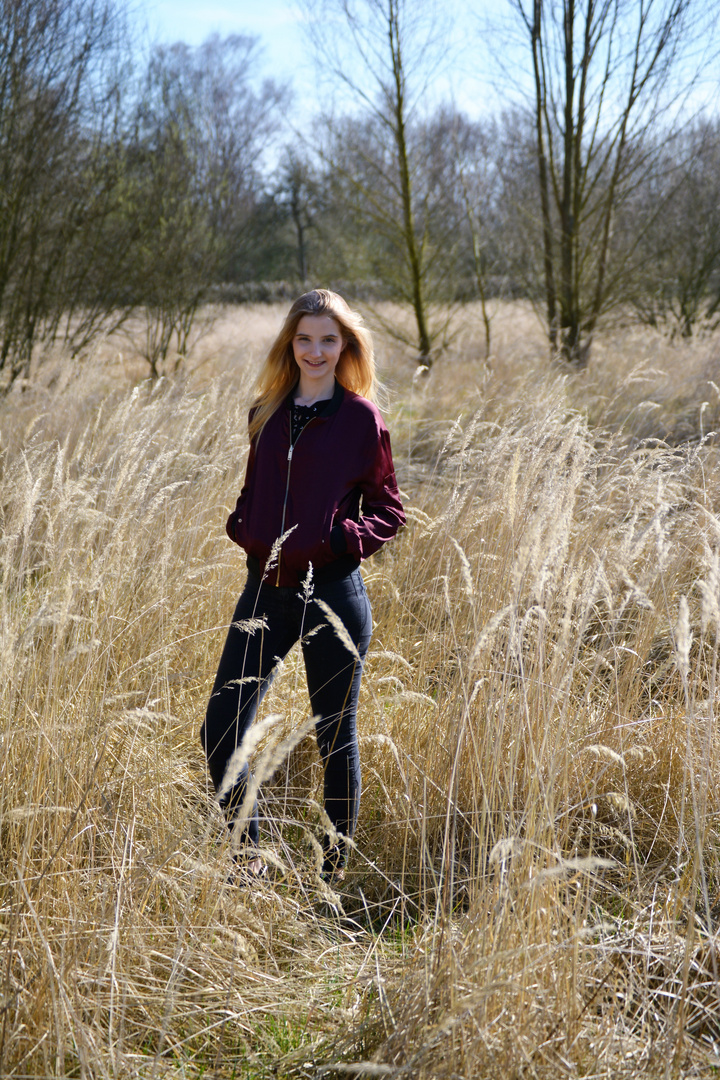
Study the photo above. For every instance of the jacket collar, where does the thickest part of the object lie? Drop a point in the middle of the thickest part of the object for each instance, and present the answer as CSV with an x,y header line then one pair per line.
x,y
331,405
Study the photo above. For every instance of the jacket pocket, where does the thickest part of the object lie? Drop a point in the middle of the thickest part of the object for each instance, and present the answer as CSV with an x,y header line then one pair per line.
x,y
240,530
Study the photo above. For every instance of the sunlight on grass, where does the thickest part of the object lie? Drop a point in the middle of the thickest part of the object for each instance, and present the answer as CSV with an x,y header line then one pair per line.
x,y
534,887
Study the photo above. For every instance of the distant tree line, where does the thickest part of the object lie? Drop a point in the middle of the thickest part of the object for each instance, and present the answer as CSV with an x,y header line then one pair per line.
x,y
145,190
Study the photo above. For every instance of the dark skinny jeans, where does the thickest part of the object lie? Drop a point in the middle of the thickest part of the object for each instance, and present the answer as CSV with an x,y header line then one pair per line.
x,y
333,675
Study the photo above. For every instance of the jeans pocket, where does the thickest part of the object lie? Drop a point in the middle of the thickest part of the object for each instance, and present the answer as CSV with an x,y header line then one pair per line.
x,y
358,584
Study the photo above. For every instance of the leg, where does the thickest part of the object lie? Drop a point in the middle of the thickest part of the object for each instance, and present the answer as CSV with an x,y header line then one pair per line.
x,y
245,672
333,677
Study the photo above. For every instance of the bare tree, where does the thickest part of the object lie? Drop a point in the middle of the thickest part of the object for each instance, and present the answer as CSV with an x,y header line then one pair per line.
x,y
231,119
297,192
119,196
601,77
678,281
472,155
385,59
200,130
59,109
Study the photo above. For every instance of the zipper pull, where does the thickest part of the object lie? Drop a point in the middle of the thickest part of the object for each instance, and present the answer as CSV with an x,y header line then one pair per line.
x,y
290,452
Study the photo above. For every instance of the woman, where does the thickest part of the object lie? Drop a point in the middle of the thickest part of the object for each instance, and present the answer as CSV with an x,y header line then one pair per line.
x,y
317,447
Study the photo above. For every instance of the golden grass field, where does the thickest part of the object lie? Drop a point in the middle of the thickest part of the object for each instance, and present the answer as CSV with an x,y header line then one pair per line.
x,y
536,882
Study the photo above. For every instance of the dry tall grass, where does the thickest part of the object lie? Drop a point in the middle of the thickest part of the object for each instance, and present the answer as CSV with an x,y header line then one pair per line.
x,y
534,887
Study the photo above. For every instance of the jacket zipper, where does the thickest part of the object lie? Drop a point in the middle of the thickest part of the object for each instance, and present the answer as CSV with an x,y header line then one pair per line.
x,y
287,490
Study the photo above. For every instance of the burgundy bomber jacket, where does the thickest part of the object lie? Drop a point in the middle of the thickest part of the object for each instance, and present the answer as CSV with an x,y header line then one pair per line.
x,y
339,457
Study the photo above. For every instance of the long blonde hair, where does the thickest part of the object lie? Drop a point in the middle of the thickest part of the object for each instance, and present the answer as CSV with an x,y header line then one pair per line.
x,y
355,369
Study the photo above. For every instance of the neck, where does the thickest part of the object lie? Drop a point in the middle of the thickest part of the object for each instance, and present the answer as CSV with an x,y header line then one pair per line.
x,y
308,395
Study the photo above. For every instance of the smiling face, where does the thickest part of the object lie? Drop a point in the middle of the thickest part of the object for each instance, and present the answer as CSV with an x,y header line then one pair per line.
x,y
317,345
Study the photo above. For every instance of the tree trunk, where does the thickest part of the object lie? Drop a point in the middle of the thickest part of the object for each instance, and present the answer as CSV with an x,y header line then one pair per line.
x,y
540,118
414,261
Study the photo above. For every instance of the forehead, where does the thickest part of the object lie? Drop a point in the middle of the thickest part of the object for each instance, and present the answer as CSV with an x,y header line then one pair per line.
x,y
318,326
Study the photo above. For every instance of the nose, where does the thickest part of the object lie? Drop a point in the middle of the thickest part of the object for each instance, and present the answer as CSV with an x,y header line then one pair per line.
x,y
315,348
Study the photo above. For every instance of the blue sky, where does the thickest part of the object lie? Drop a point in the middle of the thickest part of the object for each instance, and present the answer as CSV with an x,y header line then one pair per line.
x,y
275,21
287,53
479,61
277,24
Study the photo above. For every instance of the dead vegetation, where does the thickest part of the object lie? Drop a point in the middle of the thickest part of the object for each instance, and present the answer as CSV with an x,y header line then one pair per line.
x,y
535,887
